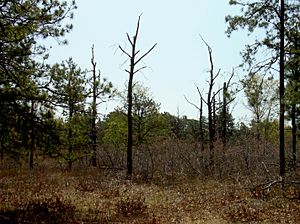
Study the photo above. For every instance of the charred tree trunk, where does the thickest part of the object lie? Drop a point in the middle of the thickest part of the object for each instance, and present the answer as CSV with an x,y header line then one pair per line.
x,y
94,112
133,62
210,127
224,116
201,131
32,135
129,121
281,92
215,136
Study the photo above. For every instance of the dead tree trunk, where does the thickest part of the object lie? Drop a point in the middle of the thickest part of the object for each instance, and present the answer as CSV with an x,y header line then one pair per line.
x,y
210,102
201,131
224,116
32,134
132,71
94,112
281,92
200,109
210,105
296,79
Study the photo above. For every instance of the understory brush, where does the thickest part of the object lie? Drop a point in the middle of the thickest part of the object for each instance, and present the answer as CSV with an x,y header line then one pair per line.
x,y
105,196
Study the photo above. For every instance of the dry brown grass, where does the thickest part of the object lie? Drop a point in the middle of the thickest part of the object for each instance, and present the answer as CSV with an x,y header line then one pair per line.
x,y
101,196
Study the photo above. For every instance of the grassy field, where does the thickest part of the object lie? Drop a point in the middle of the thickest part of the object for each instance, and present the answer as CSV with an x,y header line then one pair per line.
x,y
103,196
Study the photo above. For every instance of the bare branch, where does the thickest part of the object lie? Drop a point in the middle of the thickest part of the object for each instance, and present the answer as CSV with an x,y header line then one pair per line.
x,y
216,76
137,31
140,69
137,52
202,98
128,37
231,76
198,108
124,51
216,93
205,42
145,54
93,58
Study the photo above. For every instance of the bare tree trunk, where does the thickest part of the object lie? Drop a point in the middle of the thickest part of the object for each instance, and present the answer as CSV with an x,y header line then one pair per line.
x,y
281,92
32,135
296,78
294,134
129,122
201,125
94,113
214,117
70,140
224,116
210,129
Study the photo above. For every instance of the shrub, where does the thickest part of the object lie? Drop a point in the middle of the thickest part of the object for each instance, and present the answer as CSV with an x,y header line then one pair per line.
x,y
40,211
129,206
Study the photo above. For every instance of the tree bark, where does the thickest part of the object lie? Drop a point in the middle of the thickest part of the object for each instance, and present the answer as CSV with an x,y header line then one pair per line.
x,y
94,113
224,117
294,134
70,136
201,124
32,135
281,92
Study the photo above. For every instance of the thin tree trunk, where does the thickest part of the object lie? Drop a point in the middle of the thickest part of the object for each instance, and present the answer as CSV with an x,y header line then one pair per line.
x,y
94,113
294,134
281,92
129,124
224,117
32,136
296,79
70,141
214,118
201,125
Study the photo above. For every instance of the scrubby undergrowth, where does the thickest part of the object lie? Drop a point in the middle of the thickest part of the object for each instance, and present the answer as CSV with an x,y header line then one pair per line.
x,y
101,196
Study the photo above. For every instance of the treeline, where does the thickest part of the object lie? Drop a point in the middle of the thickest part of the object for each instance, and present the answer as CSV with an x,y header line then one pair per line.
x,y
52,111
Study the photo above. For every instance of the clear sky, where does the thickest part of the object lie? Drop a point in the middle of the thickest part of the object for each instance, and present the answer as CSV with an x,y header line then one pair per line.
x,y
178,62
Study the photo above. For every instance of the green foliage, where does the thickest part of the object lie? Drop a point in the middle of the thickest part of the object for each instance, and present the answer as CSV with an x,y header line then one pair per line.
x,y
115,132
22,78
263,15
183,128
148,123
68,91
22,23
262,96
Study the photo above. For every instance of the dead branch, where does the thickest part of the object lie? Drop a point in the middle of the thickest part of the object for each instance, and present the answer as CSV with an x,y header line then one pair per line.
x,y
145,54
198,108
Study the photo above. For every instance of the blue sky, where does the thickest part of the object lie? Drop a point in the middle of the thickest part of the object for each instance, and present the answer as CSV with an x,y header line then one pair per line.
x,y
178,62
